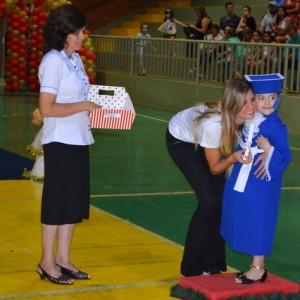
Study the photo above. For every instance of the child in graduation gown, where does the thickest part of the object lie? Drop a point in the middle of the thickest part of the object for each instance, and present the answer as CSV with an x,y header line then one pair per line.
x,y
250,204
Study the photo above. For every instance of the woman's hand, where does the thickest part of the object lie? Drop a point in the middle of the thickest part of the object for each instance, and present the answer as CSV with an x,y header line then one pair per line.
x,y
91,106
238,156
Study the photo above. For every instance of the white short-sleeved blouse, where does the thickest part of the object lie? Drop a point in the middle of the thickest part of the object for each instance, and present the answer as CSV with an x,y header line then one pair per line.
x,y
182,127
66,78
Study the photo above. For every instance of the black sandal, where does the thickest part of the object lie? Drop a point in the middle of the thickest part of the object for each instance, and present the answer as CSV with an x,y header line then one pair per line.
x,y
245,280
62,279
73,274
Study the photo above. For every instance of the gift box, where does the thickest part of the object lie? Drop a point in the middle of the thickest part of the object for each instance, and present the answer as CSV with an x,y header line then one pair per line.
x,y
117,110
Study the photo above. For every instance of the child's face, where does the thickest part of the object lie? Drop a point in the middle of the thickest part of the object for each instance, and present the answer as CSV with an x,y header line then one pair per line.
x,y
144,28
265,102
256,37
266,38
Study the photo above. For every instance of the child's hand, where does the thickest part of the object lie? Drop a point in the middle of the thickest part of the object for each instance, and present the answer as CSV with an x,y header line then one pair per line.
x,y
261,172
264,144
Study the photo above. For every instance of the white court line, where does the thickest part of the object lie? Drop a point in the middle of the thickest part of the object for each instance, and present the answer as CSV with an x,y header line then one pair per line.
x,y
142,194
167,193
13,115
152,118
91,289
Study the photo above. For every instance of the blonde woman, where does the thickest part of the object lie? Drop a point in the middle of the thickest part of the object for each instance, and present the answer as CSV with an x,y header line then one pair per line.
x,y
201,141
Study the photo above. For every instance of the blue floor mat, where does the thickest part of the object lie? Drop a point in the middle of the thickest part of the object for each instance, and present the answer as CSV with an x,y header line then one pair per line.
x,y
12,165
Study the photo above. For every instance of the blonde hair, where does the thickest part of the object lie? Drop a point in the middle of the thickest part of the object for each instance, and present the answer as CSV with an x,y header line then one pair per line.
x,y
232,103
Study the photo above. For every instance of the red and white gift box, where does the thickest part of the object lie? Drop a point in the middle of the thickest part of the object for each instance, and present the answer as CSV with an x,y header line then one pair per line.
x,y
117,110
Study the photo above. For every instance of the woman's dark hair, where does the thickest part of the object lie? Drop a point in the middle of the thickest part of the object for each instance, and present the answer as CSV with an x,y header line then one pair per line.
x,y
248,7
171,12
285,13
62,21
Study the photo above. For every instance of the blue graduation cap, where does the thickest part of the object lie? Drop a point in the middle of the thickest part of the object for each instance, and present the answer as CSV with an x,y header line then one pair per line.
x,y
267,84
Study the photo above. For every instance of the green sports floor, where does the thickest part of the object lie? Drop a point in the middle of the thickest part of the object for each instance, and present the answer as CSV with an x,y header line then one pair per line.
x,y
133,178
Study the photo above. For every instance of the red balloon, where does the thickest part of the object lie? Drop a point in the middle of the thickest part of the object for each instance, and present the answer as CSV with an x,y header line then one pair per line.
x,y
33,64
15,86
22,52
42,16
14,62
40,38
33,56
39,47
91,79
8,80
22,44
90,55
23,21
21,75
33,87
42,23
32,78
23,29
8,88
15,17
36,11
14,70
34,19
14,48
3,8
33,42
15,25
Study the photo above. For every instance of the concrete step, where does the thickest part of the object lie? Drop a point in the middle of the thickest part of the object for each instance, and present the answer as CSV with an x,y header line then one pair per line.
x,y
123,31
132,24
149,18
175,3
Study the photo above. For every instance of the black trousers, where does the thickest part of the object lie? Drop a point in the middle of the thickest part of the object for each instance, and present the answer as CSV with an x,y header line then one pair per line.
x,y
204,246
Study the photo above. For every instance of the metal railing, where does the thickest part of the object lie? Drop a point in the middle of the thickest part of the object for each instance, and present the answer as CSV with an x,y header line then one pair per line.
x,y
197,61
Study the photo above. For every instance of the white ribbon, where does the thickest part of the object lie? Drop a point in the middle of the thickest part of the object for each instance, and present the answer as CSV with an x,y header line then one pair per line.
x,y
245,171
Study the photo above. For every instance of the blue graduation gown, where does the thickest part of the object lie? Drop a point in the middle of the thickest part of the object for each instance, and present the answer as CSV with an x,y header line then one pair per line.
x,y
249,218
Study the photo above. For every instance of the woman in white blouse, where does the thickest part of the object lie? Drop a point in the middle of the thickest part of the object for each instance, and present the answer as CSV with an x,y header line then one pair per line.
x,y
65,138
201,141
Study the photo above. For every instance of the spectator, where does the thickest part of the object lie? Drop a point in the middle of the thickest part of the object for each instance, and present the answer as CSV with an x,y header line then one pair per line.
x,y
209,51
198,31
142,46
246,20
269,18
233,56
255,52
269,55
293,9
230,19
293,53
281,24
202,27
169,27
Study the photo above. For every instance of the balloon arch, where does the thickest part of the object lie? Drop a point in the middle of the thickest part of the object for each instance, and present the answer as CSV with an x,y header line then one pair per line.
x,y
25,21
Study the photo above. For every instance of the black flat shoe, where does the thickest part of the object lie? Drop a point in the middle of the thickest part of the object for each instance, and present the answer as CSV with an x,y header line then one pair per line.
x,y
73,274
62,279
245,280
